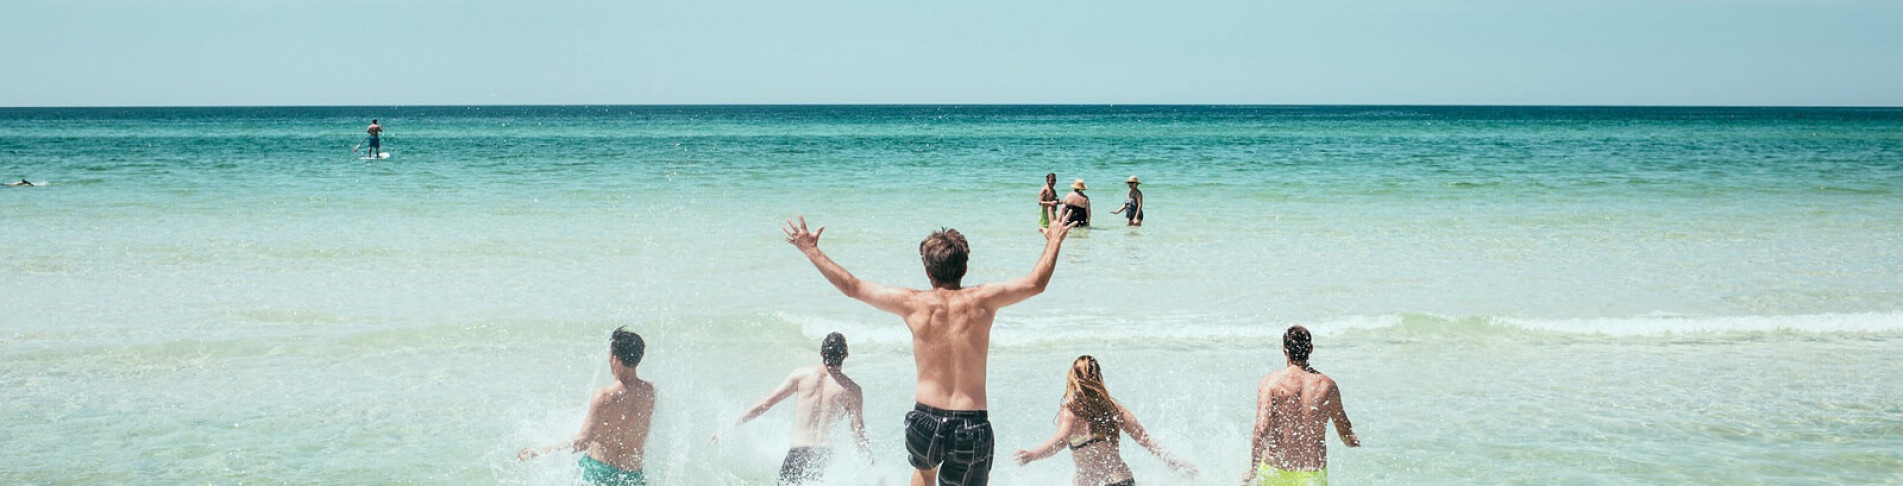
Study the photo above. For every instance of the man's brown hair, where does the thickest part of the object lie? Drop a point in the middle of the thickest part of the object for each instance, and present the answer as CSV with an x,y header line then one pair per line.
x,y
944,253
1297,343
833,350
627,346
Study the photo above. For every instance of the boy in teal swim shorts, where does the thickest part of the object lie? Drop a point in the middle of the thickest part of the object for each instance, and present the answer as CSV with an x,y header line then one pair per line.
x,y
614,437
1293,408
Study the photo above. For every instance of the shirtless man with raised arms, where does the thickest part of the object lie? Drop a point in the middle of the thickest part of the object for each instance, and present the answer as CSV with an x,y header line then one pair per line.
x,y
947,437
824,395
1293,408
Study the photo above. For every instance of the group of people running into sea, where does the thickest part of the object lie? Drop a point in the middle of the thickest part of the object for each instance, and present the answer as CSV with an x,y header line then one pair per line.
x,y
948,439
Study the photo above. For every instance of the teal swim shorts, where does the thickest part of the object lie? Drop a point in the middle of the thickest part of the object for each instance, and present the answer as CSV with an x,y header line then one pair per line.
x,y
601,474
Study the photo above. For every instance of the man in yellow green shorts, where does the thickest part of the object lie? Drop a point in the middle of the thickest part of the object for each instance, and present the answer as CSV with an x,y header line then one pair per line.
x,y
1293,406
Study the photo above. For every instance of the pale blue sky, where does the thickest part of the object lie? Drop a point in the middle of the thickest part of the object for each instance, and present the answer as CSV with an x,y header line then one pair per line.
x,y
331,52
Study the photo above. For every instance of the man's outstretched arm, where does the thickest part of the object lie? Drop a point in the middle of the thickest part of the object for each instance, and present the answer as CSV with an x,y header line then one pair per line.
x,y
786,389
1339,415
1261,436
583,439
1016,290
885,298
856,406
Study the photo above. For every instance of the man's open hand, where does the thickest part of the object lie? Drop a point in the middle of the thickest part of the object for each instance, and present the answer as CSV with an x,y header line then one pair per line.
x,y
799,237
1058,229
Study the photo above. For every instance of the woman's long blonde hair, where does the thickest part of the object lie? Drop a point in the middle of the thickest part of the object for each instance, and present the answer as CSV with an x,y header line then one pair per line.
x,y
1087,398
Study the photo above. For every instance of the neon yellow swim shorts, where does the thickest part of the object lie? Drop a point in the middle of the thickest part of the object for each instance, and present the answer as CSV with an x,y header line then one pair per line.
x,y
1266,475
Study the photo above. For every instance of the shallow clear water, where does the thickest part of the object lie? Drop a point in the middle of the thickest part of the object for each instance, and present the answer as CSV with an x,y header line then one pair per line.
x,y
1530,295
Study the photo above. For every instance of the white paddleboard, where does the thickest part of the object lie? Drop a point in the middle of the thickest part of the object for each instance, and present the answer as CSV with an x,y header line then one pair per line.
x,y
379,155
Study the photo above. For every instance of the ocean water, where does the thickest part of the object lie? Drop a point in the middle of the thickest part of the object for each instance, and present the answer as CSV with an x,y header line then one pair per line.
x,y
1505,295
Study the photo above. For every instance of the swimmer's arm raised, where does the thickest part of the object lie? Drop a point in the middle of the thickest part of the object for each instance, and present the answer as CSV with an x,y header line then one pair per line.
x,y
889,299
1013,291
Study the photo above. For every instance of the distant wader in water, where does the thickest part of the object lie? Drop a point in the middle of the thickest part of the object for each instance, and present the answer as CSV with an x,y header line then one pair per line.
x,y
1047,201
1077,204
1133,204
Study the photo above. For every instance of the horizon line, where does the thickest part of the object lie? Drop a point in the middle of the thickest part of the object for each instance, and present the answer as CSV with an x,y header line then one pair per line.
x,y
948,104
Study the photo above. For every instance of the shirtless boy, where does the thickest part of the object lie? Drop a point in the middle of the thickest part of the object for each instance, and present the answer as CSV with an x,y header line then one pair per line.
x,y
614,437
825,395
1047,201
947,437
1292,411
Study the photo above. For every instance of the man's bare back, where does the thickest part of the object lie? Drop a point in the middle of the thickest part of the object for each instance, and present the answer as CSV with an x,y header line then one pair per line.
x,y
951,340
824,399
1298,405
616,431
1293,408
824,396
614,436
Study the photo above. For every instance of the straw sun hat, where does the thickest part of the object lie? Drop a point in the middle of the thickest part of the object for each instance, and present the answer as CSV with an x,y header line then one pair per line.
x,y
1079,185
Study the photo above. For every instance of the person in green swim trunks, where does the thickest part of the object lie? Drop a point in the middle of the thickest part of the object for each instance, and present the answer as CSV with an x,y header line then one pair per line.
x,y
1293,408
613,439
1047,201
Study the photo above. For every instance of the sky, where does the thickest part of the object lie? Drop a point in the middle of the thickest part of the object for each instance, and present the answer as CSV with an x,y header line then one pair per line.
x,y
454,52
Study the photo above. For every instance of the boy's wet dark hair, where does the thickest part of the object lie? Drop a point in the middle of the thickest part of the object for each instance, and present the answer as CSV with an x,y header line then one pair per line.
x,y
833,350
944,253
627,347
1297,343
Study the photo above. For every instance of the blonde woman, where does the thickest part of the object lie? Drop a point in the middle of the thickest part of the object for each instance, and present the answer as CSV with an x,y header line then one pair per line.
x,y
1090,424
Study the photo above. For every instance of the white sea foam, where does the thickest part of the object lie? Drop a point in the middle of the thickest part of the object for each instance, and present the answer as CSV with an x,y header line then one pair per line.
x,y
1651,325
1012,331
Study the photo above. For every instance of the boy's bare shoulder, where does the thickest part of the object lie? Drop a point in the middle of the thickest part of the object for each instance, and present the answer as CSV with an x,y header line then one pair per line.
x,y
608,392
1321,381
1274,377
641,388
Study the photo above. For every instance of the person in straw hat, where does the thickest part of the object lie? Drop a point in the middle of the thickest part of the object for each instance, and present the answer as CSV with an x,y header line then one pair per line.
x,y
1132,204
1078,204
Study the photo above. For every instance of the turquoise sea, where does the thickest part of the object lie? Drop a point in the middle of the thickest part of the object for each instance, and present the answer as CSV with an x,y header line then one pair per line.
x,y
1521,295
